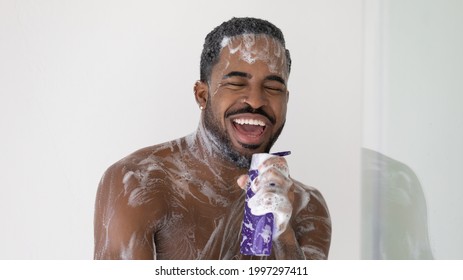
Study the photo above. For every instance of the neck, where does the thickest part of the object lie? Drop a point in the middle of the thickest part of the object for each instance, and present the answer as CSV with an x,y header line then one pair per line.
x,y
205,150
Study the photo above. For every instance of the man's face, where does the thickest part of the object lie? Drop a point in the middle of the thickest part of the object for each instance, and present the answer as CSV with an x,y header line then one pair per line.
x,y
247,97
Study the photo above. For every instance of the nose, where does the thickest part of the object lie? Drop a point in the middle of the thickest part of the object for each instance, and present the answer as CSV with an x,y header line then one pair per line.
x,y
256,98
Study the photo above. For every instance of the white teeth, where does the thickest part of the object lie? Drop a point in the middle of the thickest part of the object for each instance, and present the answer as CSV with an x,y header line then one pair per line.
x,y
249,121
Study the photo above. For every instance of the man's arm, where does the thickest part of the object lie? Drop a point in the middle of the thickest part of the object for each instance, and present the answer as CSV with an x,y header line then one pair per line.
x,y
309,235
312,225
287,247
123,228
302,228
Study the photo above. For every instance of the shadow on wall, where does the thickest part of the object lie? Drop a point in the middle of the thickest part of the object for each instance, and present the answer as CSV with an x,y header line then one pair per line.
x,y
394,210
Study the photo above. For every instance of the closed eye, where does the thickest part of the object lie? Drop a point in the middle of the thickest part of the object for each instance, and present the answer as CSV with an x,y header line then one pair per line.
x,y
274,84
233,85
236,84
275,89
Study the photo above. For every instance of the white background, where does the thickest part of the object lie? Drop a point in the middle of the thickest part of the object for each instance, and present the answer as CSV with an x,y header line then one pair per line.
x,y
84,83
414,105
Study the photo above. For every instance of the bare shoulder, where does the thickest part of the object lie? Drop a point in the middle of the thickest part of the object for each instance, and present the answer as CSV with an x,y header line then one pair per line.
x,y
137,176
130,204
312,222
310,198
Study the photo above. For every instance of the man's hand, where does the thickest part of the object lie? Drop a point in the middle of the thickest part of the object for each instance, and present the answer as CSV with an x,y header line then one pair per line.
x,y
273,192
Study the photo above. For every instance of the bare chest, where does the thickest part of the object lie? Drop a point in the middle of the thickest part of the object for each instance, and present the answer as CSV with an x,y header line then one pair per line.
x,y
201,225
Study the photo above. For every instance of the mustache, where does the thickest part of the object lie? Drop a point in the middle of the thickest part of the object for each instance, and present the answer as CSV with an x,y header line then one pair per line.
x,y
249,109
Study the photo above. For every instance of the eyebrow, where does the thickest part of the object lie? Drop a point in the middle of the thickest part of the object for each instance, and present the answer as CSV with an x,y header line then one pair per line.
x,y
237,74
249,76
276,78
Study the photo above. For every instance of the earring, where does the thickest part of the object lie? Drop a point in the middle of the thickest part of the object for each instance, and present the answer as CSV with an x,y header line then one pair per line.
x,y
201,107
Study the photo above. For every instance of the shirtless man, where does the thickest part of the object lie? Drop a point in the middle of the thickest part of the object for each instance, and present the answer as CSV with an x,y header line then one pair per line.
x,y
184,199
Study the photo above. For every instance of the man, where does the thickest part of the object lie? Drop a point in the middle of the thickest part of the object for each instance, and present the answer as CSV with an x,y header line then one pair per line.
x,y
184,199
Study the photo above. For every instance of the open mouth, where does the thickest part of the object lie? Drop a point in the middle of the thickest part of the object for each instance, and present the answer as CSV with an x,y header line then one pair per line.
x,y
249,130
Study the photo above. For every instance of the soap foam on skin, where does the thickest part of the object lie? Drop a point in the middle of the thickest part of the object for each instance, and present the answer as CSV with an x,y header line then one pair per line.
x,y
140,182
245,45
108,215
140,193
272,53
145,185
127,251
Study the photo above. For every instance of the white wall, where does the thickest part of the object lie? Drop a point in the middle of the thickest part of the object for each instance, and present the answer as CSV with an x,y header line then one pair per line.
x,y
84,83
414,115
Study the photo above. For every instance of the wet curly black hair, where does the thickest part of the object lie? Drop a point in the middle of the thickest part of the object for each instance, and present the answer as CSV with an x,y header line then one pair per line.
x,y
234,27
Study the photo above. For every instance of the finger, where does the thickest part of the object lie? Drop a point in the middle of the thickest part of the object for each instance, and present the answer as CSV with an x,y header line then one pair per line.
x,y
242,181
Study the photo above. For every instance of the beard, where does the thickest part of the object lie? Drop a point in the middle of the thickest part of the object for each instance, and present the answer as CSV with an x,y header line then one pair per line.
x,y
222,142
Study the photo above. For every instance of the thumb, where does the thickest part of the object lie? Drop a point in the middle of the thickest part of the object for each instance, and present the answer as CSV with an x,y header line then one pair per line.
x,y
242,181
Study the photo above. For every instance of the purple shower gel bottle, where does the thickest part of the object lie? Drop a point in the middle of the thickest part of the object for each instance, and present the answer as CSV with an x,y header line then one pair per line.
x,y
256,231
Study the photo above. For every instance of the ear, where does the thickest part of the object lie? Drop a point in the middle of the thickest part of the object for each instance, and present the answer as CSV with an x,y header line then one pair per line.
x,y
201,91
